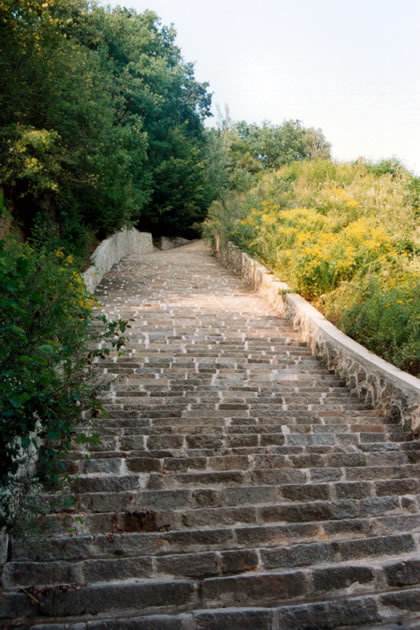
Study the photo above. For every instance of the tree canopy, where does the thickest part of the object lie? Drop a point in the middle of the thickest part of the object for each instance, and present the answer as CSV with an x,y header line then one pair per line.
x,y
245,150
101,120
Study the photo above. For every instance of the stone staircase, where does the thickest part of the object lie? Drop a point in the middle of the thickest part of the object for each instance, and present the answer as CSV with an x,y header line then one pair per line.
x,y
238,483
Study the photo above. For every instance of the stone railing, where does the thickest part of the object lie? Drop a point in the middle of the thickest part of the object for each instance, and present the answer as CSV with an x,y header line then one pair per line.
x,y
374,380
110,251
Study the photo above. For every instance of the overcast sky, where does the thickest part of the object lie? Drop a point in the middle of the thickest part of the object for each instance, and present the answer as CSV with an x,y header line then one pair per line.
x,y
349,67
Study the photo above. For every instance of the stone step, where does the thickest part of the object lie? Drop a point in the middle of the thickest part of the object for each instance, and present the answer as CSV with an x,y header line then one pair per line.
x,y
147,405
270,587
131,414
237,424
227,562
169,510
361,611
262,589
126,597
272,476
161,441
285,490
263,476
308,456
391,530
354,479
223,427
290,395
213,463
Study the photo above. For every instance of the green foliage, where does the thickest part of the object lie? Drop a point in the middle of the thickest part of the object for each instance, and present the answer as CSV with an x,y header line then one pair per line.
x,y
272,146
47,348
30,156
346,236
240,152
383,312
100,120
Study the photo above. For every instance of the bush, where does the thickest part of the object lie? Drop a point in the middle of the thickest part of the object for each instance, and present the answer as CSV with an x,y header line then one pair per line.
x,y
46,357
346,236
382,309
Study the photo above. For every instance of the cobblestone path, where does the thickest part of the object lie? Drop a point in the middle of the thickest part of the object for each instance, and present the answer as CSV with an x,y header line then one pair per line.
x,y
238,485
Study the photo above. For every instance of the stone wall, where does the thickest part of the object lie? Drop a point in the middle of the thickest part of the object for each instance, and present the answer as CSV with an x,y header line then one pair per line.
x,y
373,380
110,252
169,242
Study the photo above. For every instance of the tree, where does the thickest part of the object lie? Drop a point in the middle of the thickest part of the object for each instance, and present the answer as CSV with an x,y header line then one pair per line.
x,y
99,113
239,151
159,88
275,145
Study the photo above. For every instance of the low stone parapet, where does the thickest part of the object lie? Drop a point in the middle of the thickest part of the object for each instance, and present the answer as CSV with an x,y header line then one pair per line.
x,y
110,252
169,242
373,380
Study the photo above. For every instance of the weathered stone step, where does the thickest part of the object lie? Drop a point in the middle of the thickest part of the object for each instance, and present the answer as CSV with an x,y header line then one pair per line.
x,y
148,380
213,463
125,424
270,588
403,476
224,427
125,420
168,510
282,370
303,456
388,447
159,404
272,476
111,545
262,589
226,562
291,394
123,597
361,611
185,442
257,494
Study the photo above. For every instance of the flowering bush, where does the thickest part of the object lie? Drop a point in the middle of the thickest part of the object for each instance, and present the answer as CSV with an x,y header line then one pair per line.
x,y
309,249
346,236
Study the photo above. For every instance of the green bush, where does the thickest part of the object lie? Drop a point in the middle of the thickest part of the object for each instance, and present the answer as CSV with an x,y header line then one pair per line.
x,y
47,349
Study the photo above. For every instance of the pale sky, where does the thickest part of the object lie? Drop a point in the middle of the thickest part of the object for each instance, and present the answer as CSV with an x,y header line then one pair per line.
x,y
349,67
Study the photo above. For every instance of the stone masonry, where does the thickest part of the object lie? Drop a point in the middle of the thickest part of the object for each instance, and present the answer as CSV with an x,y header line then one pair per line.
x,y
239,484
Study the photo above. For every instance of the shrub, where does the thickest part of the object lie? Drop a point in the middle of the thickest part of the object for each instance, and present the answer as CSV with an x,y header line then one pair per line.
x,y
382,309
46,355
345,236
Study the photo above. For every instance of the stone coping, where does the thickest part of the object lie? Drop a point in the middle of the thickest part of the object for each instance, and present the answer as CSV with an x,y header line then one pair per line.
x,y
110,252
371,378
